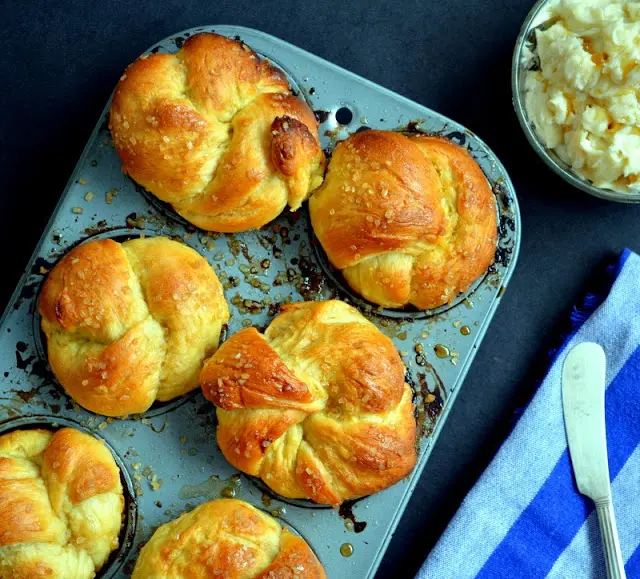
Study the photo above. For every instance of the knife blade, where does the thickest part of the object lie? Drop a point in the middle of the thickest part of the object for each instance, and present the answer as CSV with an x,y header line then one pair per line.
x,y
583,388
583,385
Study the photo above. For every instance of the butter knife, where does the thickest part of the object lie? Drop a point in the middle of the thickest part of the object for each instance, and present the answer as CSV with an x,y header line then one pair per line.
x,y
583,385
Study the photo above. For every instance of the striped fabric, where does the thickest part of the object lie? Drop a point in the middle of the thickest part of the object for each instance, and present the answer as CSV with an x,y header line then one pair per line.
x,y
524,518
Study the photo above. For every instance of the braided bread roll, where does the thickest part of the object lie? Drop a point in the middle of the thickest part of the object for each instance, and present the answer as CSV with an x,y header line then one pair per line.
x,y
61,504
226,538
317,407
407,219
130,323
215,131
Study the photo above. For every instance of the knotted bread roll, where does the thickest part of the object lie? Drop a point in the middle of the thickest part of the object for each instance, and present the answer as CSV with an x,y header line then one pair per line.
x,y
215,131
226,538
61,504
130,323
408,219
317,406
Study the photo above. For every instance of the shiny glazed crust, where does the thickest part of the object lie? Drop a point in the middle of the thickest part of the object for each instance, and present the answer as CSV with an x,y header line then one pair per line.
x,y
61,504
317,407
215,131
130,323
226,538
407,219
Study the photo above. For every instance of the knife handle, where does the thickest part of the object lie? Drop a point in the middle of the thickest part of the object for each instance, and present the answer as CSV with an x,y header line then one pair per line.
x,y
609,532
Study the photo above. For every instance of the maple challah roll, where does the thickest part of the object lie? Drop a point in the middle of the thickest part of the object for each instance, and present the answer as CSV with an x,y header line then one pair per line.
x,y
226,538
317,406
407,219
61,504
130,323
216,132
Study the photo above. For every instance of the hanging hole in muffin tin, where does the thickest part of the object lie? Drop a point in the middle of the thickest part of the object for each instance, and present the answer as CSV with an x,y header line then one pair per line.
x,y
343,116
130,511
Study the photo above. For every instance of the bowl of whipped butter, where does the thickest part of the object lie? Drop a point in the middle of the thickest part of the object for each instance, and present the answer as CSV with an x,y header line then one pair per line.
x,y
576,85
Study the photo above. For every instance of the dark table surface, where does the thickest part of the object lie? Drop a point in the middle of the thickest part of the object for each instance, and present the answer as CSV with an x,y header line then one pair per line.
x,y
62,59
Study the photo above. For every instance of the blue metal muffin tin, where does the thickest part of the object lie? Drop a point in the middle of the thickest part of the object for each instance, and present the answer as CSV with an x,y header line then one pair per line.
x,y
169,455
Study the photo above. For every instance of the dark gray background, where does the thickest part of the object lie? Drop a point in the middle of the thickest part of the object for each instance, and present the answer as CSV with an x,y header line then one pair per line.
x,y
61,60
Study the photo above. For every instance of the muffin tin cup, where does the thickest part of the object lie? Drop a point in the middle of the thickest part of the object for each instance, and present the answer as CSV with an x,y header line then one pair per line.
x,y
40,340
114,563
171,454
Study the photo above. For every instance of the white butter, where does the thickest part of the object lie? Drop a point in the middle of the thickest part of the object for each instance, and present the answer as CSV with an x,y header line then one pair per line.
x,y
583,101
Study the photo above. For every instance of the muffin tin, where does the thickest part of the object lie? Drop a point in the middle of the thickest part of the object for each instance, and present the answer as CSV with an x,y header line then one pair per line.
x,y
169,456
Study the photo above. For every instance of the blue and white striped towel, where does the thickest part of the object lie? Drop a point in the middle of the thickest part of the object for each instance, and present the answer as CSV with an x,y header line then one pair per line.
x,y
524,518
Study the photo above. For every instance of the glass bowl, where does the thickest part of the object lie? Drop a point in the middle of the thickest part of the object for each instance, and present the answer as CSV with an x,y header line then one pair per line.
x,y
518,68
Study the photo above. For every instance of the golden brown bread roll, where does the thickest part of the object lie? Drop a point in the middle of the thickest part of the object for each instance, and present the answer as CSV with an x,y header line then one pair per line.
x,y
215,131
407,219
130,323
317,406
61,504
226,538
